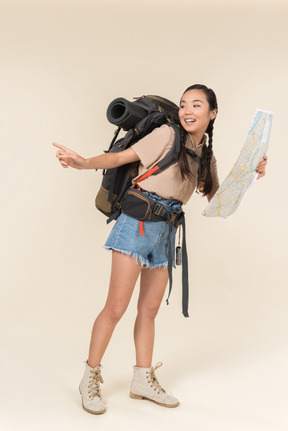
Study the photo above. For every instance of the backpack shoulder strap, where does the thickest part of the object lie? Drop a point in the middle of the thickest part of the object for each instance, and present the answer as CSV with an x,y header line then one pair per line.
x,y
170,158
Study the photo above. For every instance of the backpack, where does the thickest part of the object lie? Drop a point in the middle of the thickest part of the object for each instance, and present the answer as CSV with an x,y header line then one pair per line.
x,y
138,119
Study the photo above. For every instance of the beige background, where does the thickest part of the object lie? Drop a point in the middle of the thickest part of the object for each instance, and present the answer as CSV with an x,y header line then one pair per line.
x,y
62,62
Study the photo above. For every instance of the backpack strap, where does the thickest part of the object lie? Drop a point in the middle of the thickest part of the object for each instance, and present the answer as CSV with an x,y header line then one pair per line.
x,y
170,158
185,281
117,131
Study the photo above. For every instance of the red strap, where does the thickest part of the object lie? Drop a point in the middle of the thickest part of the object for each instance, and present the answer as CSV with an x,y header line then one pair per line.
x,y
141,228
150,172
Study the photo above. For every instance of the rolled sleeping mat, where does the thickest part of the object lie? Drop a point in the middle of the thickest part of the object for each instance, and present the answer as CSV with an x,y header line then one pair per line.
x,y
125,114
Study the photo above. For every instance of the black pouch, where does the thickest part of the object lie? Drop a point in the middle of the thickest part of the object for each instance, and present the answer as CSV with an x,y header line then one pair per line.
x,y
137,205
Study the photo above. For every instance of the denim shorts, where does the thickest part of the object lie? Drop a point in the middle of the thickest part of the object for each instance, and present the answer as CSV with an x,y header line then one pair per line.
x,y
151,249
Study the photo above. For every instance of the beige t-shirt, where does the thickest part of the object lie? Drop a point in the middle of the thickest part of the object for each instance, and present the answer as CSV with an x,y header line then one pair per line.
x,y
169,183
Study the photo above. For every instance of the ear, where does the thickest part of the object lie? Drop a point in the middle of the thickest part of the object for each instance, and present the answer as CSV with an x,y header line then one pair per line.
x,y
213,114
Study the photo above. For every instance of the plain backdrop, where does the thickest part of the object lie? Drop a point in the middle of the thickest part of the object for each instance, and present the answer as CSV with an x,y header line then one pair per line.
x,y
62,62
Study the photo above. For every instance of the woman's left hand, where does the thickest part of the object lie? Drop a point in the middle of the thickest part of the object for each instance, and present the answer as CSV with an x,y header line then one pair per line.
x,y
261,167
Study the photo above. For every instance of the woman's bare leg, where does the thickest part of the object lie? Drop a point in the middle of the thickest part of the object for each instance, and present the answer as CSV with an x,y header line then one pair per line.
x,y
124,273
152,288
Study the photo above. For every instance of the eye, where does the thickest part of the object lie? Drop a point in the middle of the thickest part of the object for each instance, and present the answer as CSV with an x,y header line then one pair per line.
x,y
196,106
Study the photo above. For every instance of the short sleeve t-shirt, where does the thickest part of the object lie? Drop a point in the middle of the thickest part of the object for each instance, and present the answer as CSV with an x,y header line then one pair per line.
x,y
169,183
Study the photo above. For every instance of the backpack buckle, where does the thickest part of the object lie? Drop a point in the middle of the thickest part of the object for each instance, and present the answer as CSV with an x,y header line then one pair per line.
x,y
157,209
173,217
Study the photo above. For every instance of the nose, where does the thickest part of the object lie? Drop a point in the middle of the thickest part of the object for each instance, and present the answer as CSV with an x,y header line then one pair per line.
x,y
188,110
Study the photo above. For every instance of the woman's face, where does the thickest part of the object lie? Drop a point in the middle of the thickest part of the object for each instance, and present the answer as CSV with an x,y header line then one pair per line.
x,y
194,112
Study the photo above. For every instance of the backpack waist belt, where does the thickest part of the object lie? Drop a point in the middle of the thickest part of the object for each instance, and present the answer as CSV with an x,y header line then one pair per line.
x,y
138,205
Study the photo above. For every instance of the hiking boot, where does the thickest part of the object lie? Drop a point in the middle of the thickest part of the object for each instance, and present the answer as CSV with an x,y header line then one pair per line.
x,y
146,386
90,390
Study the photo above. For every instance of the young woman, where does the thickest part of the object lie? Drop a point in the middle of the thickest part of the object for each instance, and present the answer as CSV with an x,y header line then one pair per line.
x,y
147,256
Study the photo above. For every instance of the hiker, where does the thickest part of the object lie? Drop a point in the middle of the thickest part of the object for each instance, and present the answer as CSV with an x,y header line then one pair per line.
x,y
146,254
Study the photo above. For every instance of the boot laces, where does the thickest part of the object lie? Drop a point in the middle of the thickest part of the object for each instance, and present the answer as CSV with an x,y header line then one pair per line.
x,y
153,379
94,383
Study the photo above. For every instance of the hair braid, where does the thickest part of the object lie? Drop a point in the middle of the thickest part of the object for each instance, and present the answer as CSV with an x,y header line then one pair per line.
x,y
206,159
183,158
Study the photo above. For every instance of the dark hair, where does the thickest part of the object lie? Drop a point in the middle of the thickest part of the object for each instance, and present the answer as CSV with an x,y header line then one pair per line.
x,y
206,150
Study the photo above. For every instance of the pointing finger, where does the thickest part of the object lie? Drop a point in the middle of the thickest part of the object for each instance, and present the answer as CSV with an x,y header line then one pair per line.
x,y
59,146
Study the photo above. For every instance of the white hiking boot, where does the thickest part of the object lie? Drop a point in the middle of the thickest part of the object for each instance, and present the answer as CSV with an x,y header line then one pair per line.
x,y
146,386
90,390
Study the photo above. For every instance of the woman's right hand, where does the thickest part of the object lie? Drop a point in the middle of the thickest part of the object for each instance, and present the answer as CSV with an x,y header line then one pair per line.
x,y
69,158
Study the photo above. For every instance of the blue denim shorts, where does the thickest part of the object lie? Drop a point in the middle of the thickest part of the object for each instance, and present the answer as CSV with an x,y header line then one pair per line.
x,y
150,250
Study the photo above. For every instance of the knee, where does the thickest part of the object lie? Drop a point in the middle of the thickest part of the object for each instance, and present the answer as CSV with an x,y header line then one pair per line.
x,y
113,314
148,311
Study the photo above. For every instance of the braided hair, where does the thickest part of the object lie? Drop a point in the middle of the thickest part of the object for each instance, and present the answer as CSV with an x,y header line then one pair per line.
x,y
206,150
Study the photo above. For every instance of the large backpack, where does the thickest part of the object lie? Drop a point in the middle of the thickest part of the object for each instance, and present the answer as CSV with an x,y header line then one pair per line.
x,y
138,119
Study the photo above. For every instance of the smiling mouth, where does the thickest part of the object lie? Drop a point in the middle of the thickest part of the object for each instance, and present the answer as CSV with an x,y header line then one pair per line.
x,y
189,120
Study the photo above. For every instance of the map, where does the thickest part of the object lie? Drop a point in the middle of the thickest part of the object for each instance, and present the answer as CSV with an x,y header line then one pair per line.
x,y
242,176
